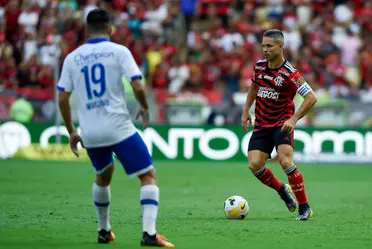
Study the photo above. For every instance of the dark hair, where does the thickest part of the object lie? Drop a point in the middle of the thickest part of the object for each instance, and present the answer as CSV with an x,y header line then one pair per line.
x,y
98,21
276,34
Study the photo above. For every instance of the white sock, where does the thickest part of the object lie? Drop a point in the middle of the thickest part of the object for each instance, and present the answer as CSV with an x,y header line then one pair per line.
x,y
149,196
102,197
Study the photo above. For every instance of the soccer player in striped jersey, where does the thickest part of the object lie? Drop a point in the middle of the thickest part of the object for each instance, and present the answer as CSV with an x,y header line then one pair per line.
x,y
275,83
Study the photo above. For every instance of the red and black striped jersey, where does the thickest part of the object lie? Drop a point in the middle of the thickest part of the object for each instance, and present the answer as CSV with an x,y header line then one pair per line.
x,y
276,90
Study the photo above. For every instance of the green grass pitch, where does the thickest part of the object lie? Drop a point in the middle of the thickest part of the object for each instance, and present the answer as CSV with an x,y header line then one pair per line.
x,y
48,205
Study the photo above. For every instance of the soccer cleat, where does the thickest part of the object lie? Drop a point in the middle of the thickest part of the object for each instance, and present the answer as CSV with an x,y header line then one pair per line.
x,y
105,237
305,213
289,200
155,240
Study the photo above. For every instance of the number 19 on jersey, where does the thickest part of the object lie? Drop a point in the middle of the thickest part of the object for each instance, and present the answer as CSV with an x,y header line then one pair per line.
x,y
96,76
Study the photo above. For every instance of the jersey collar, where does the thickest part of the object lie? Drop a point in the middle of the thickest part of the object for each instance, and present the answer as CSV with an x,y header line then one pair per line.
x,y
285,61
97,40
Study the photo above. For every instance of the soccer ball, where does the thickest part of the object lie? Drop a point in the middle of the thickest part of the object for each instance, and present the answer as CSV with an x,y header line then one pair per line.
x,y
236,207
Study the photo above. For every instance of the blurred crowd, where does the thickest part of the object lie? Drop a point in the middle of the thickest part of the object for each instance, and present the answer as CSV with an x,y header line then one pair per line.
x,y
193,46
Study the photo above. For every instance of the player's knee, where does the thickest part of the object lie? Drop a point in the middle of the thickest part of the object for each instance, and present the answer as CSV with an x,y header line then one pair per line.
x,y
104,178
256,164
102,181
148,178
285,161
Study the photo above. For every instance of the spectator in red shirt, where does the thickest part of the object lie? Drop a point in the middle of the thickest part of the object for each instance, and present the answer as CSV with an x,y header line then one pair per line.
x,y
12,12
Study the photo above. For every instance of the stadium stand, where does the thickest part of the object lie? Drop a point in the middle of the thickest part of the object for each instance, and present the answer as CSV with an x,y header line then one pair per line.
x,y
193,51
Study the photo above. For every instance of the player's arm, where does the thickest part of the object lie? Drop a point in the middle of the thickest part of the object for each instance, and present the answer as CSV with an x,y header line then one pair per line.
x,y
310,99
65,87
134,76
140,93
251,97
65,109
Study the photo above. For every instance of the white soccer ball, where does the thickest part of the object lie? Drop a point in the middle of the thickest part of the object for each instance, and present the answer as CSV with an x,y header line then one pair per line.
x,y
236,207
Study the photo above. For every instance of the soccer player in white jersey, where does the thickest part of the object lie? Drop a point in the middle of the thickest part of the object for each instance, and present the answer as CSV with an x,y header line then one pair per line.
x,y
94,72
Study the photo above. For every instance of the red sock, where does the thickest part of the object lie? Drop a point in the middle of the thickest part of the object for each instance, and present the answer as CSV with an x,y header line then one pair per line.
x,y
296,181
266,176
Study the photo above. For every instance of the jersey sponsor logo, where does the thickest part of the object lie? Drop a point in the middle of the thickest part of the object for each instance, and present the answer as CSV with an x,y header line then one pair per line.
x,y
283,72
81,59
259,68
279,81
268,77
267,93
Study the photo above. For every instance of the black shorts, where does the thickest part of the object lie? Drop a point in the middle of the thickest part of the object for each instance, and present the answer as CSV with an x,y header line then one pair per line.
x,y
265,139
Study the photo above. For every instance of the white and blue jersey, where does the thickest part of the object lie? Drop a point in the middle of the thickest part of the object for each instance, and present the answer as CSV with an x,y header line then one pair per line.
x,y
94,73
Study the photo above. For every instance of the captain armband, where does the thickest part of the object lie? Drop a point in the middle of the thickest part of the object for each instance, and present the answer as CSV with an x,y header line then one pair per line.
x,y
304,89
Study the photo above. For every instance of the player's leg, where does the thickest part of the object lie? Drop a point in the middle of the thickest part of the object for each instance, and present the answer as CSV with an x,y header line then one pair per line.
x,y
103,164
136,160
260,147
149,198
284,145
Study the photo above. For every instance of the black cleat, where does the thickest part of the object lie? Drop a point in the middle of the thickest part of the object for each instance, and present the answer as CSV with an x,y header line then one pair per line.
x,y
105,237
156,240
289,200
304,212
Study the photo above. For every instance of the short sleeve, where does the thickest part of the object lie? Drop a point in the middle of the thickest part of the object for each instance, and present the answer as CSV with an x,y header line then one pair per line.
x,y
253,78
302,86
129,66
65,82
295,77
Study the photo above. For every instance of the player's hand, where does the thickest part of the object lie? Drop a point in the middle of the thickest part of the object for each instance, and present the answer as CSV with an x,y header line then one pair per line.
x,y
289,125
74,140
246,120
144,114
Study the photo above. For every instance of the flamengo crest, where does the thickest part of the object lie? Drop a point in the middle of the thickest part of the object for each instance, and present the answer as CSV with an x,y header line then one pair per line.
x,y
278,81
